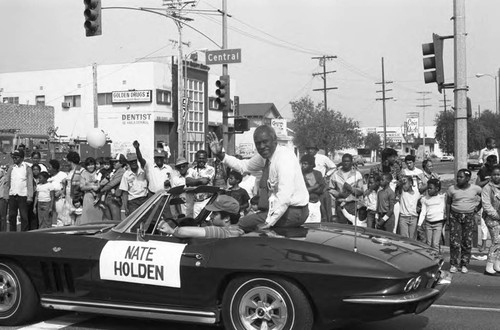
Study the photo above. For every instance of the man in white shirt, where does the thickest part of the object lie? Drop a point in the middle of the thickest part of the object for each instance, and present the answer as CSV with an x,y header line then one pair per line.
x,y
491,149
323,163
19,191
158,173
200,175
416,173
326,166
133,185
283,194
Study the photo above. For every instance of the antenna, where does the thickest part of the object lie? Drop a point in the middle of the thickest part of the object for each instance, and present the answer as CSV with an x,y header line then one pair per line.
x,y
356,225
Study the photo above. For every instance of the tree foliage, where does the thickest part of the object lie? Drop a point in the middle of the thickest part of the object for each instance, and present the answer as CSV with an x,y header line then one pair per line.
x,y
326,129
478,129
372,141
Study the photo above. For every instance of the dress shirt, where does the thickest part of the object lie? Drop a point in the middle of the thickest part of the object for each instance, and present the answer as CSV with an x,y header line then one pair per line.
x,y
135,184
202,172
177,179
157,176
286,183
18,180
323,163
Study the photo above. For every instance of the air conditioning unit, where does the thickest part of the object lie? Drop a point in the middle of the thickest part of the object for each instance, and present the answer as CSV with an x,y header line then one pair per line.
x,y
66,105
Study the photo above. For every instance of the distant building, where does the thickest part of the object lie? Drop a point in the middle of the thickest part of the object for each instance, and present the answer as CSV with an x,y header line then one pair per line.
x,y
135,101
262,114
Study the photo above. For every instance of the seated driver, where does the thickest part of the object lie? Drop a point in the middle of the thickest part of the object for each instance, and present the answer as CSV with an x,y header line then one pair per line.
x,y
223,209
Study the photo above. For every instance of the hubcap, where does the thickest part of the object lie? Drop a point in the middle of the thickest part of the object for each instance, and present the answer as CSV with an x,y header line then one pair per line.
x,y
263,308
8,291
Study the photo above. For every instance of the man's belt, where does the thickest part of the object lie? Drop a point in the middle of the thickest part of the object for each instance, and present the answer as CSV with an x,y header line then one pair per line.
x,y
296,207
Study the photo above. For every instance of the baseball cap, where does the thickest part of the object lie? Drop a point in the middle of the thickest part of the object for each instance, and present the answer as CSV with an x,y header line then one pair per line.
x,y
224,203
18,153
119,158
181,161
159,154
131,157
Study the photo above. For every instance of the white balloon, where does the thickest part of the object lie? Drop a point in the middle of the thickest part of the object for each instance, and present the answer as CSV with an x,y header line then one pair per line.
x,y
96,138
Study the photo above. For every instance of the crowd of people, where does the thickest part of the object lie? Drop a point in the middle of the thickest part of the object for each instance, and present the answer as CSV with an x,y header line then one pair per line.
x,y
271,189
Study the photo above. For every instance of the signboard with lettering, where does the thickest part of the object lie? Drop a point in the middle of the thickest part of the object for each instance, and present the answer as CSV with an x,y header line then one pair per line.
x,y
153,263
136,118
279,126
223,56
412,126
131,96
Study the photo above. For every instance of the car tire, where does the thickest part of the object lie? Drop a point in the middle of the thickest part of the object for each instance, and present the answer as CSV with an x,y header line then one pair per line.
x,y
247,301
19,302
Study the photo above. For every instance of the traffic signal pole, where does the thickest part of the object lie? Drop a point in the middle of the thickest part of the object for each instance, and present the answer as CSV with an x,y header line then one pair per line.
x,y
225,109
460,85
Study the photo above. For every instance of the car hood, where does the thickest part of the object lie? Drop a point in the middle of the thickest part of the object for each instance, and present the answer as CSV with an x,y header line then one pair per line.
x,y
401,253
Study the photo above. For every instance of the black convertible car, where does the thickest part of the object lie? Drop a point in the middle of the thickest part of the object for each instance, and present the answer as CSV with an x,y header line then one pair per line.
x,y
318,275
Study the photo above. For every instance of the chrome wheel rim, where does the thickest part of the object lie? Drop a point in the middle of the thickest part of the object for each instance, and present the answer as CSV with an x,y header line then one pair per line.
x,y
263,308
9,290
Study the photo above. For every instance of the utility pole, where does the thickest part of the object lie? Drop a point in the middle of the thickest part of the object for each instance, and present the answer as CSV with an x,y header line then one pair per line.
x,y
460,85
383,99
424,105
174,8
322,62
225,112
94,84
445,101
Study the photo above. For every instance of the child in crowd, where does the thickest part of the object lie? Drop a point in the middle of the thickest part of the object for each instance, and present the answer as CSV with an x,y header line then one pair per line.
x,y
315,186
356,215
416,174
103,176
254,205
98,166
235,191
36,169
44,203
433,213
370,200
386,198
76,209
408,215
491,149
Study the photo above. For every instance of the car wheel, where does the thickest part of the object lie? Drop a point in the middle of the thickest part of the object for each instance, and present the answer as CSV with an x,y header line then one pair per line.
x,y
265,303
19,301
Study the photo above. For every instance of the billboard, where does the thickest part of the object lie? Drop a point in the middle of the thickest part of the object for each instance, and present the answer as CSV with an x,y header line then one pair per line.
x,y
411,125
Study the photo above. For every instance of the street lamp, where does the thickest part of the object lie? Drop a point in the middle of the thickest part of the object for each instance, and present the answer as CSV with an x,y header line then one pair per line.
x,y
479,75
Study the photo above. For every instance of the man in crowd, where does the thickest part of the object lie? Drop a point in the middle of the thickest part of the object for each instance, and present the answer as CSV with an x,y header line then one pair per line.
x,y
133,185
223,208
18,189
283,196
113,202
157,173
325,166
179,179
200,175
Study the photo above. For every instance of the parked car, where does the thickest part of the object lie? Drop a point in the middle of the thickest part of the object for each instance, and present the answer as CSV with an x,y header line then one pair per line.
x,y
473,162
281,278
359,160
447,158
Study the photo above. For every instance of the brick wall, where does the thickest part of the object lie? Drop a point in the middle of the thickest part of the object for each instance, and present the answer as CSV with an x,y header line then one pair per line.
x,y
30,119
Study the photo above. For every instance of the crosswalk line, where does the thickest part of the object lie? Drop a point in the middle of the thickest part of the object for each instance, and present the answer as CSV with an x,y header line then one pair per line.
x,y
58,322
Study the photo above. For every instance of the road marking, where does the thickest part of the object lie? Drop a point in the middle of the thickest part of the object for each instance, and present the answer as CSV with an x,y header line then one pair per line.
x,y
483,309
58,322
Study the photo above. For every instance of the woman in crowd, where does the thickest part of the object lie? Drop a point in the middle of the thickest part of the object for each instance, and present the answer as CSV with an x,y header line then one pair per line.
x,y
89,185
491,206
429,173
463,202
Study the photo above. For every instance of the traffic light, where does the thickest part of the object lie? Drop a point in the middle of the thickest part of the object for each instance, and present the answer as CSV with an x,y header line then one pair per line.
x,y
241,125
433,61
223,99
92,15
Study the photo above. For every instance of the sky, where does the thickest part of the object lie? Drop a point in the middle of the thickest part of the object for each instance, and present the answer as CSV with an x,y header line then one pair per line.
x,y
278,39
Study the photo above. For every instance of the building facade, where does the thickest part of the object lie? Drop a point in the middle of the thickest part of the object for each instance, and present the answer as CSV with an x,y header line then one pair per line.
x,y
135,101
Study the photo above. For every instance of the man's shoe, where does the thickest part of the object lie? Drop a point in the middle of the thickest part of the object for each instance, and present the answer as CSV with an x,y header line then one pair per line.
x,y
491,274
464,270
453,269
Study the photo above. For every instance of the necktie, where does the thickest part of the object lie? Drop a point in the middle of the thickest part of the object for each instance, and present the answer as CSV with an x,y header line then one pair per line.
x,y
263,188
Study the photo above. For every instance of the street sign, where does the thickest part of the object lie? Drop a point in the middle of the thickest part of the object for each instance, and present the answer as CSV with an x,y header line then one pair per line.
x,y
223,56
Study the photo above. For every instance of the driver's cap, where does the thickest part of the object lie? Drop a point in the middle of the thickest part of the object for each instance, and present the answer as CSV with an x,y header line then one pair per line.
x,y
224,203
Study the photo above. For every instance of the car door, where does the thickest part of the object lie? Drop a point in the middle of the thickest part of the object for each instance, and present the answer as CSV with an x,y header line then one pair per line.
x,y
149,269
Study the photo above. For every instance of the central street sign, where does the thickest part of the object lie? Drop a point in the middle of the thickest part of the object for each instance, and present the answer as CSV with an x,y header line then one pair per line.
x,y
223,56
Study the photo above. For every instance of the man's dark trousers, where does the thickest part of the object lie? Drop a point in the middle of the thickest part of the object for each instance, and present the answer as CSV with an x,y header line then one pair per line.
x,y
20,203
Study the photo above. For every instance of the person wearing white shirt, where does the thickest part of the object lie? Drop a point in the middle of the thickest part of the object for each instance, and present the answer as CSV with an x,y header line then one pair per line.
x,y
158,173
133,185
18,189
491,149
416,174
326,166
283,195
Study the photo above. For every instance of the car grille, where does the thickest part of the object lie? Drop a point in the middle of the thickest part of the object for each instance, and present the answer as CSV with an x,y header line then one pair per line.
x,y
57,277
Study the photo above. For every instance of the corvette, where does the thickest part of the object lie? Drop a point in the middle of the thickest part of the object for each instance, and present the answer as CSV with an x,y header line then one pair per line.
x,y
319,275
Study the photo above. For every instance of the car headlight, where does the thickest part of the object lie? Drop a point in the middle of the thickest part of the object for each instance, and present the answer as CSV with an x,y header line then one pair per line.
x,y
417,282
409,284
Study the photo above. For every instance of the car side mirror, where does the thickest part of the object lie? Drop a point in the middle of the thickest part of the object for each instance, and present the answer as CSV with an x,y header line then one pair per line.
x,y
141,233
